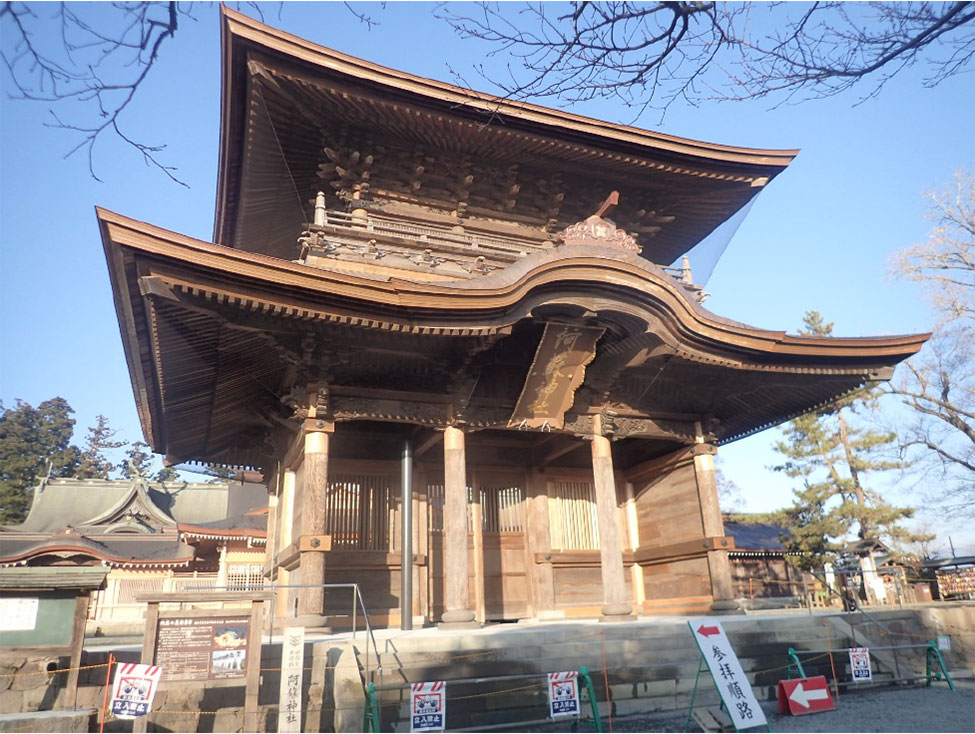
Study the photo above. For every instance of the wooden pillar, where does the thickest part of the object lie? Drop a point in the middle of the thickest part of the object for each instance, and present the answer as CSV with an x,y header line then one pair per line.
x,y
477,535
633,532
283,607
539,548
615,607
311,601
719,567
457,597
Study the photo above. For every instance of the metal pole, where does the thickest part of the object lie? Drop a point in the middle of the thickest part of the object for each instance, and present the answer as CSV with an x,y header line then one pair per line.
x,y
406,565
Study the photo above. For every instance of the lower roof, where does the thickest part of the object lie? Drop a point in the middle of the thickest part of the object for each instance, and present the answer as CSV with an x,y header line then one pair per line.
x,y
216,337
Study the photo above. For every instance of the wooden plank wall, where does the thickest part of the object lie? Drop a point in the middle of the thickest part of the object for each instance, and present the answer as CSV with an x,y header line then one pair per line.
x,y
668,512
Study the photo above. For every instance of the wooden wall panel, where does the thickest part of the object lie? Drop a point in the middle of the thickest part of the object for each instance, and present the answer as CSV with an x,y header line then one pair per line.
x,y
667,507
686,578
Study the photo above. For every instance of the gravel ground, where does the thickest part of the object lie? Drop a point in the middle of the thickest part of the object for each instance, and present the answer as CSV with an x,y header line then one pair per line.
x,y
935,709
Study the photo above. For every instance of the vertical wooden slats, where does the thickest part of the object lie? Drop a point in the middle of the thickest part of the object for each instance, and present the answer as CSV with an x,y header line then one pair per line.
x,y
362,512
573,520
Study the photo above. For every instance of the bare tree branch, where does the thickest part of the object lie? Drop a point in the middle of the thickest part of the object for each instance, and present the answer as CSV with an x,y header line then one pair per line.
x,y
652,54
939,384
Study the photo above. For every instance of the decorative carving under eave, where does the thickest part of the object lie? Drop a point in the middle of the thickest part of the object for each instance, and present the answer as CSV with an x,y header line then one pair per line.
x,y
623,427
598,231
402,411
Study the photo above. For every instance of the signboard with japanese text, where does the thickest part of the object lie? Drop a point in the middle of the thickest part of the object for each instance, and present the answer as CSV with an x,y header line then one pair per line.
x,y
804,696
727,673
563,694
213,647
428,706
18,613
135,686
860,664
292,673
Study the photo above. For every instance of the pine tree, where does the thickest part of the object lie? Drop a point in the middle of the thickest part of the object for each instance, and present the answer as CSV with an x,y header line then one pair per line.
x,y
137,461
834,451
32,441
93,463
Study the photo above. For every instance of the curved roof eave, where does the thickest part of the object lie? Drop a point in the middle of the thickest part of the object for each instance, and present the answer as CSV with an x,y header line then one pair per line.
x,y
499,290
239,31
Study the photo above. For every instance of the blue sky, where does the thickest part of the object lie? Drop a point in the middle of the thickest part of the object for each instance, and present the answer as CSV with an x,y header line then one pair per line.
x,y
818,237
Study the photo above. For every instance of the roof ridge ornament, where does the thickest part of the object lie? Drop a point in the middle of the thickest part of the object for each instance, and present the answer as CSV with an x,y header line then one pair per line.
x,y
595,230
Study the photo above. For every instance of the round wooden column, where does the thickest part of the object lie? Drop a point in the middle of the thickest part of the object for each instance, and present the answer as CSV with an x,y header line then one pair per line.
x,y
311,601
615,608
719,567
458,613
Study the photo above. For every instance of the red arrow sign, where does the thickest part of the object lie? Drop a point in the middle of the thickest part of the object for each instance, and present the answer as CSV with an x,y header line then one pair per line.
x,y
707,631
804,696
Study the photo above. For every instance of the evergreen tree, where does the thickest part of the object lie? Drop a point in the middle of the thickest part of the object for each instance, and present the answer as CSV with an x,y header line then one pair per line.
x,y
32,440
137,461
167,474
833,451
93,463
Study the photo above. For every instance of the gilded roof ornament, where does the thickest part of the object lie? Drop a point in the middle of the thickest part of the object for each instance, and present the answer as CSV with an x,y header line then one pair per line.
x,y
595,230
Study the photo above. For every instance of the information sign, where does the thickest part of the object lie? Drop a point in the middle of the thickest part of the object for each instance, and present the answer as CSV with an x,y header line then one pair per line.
x,y
213,647
804,696
292,673
428,706
18,613
860,664
944,643
563,693
135,686
727,673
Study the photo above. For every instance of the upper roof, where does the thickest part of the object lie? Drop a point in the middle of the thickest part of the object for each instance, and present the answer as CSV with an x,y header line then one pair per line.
x,y
283,96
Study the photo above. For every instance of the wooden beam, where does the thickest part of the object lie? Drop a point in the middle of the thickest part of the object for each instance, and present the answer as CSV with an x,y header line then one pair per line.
x,y
611,202
571,445
428,444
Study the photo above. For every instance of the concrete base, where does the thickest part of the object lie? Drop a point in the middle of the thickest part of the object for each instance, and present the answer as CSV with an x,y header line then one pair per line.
x,y
617,613
458,619
726,607
69,720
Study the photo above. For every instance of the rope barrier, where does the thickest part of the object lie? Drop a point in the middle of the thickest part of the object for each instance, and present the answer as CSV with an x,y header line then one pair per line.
x,y
54,672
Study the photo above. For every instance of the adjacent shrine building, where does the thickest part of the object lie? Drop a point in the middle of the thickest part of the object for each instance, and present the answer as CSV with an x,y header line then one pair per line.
x,y
413,281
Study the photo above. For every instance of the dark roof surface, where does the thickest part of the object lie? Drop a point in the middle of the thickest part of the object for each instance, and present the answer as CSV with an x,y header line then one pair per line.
x,y
94,506
758,536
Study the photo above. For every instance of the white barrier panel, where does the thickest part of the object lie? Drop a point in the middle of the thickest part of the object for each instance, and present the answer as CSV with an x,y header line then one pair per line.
x,y
563,694
428,706
860,664
135,686
729,678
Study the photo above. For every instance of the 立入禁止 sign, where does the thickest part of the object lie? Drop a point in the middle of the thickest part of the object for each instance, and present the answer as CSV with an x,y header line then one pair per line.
x,y
860,664
135,686
729,678
428,706
563,693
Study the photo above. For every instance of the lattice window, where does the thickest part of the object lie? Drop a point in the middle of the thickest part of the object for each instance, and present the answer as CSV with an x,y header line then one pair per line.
x,y
196,582
129,588
362,512
573,521
245,576
502,508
